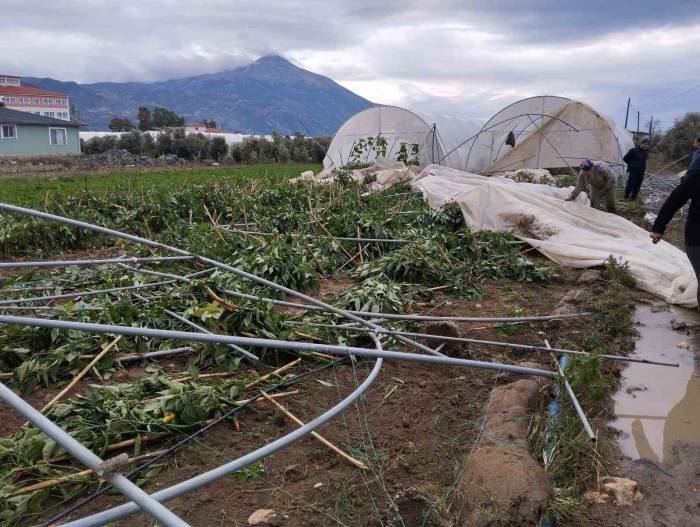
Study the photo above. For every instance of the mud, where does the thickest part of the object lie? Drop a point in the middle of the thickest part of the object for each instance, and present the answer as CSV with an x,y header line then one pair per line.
x,y
658,410
658,419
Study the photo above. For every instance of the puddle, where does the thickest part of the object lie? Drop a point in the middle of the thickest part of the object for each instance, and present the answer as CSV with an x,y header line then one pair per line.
x,y
657,407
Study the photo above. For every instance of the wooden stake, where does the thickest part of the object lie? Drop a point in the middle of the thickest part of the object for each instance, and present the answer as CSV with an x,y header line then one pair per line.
x,y
276,372
290,415
216,298
359,245
80,375
57,481
275,396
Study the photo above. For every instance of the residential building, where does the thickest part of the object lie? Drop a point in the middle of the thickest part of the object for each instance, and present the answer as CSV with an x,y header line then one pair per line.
x,y
28,134
34,100
200,128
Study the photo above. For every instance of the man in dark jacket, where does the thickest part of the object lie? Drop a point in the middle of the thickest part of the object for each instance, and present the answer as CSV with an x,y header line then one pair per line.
x,y
636,160
694,163
688,189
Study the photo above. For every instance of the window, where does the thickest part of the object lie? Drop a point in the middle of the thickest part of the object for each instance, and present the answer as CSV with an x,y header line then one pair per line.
x,y
49,114
8,131
36,101
57,136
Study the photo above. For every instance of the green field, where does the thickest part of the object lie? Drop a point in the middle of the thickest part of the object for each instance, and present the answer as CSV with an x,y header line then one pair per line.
x,y
32,190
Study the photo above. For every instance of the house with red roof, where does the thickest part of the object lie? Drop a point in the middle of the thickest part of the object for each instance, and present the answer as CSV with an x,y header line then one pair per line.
x,y
16,96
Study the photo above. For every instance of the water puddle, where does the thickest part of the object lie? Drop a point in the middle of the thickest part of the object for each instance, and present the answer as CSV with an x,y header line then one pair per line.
x,y
658,408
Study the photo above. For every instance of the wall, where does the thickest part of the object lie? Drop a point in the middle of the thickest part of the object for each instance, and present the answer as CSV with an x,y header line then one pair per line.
x,y
34,140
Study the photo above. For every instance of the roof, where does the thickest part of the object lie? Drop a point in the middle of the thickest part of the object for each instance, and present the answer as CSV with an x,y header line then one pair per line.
x,y
28,90
17,117
9,76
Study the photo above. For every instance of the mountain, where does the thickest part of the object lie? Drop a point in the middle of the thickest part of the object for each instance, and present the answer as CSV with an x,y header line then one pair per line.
x,y
271,94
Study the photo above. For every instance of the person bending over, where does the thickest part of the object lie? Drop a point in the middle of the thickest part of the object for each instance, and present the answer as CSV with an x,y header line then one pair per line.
x,y
597,176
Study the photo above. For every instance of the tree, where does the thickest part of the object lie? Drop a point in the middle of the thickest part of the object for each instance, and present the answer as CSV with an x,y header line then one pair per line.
x,y
217,148
120,124
131,141
144,118
211,123
164,117
678,140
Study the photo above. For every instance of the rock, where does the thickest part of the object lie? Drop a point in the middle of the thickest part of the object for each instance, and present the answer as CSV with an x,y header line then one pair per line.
x,y
624,491
262,517
503,482
571,301
683,344
590,276
678,324
445,329
509,411
596,497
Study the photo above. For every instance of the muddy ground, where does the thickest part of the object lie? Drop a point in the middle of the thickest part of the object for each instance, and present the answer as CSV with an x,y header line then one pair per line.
x,y
413,428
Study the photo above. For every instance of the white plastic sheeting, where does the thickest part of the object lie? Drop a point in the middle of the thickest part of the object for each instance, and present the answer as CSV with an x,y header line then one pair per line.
x,y
550,132
570,233
437,137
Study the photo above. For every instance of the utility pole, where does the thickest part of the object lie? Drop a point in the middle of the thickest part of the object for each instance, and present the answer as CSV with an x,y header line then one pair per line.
x,y
651,126
627,113
637,121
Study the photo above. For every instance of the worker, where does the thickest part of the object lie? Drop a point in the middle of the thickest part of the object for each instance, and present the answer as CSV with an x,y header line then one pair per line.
x,y
636,160
598,176
687,189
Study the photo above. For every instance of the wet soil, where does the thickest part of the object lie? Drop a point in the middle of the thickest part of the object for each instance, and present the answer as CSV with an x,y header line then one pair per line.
x,y
413,428
658,418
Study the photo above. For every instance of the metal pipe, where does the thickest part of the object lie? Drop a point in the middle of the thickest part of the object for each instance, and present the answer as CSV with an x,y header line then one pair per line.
x,y
268,343
85,456
582,416
201,329
295,235
205,478
235,270
156,273
153,354
103,261
99,291
395,316
514,345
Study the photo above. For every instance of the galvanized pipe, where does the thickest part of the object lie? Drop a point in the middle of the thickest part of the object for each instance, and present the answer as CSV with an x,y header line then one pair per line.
x,y
205,478
341,238
85,456
98,291
235,270
201,329
102,261
268,343
574,400
513,345
395,316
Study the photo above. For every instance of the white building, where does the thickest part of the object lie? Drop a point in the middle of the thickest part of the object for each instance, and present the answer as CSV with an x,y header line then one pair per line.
x,y
33,100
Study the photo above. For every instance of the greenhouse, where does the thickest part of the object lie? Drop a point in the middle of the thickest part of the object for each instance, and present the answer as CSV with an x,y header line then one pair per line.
x,y
399,134
546,132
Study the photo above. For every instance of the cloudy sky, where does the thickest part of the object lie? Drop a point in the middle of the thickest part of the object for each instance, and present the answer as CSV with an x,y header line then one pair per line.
x,y
454,57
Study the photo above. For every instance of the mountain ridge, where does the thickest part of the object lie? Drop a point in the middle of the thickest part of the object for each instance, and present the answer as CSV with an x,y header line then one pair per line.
x,y
269,94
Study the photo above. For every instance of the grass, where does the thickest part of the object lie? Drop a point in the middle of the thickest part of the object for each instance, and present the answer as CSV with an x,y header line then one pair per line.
x,y
32,190
571,459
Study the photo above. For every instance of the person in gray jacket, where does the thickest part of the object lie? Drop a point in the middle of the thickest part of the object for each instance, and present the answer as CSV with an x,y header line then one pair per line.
x,y
596,176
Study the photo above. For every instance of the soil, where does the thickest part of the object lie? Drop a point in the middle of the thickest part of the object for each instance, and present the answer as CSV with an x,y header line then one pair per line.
x,y
413,428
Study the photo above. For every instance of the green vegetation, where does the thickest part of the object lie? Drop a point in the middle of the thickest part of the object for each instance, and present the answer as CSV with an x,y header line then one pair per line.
x,y
204,211
572,461
34,191
678,140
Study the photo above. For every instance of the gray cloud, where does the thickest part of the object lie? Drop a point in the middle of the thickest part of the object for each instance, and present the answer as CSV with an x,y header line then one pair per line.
x,y
450,56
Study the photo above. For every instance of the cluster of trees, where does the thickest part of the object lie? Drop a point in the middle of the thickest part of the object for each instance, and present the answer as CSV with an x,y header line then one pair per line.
x,y
198,147
148,119
678,140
